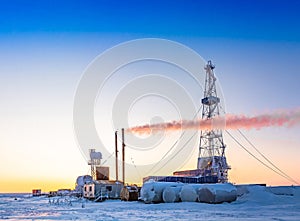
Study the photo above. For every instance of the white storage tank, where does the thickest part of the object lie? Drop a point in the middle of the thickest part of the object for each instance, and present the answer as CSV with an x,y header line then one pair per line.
x,y
217,193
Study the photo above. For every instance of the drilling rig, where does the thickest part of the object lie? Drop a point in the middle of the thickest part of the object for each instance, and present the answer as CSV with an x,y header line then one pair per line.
x,y
211,159
212,166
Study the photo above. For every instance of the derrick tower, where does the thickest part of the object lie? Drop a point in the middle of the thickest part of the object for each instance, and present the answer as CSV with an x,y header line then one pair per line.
x,y
211,159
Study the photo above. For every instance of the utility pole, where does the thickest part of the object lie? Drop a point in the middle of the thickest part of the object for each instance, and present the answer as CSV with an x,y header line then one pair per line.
x,y
123,156
116,155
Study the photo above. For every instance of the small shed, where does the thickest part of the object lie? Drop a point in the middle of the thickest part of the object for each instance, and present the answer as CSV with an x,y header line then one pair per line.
x,y
102,189
36,192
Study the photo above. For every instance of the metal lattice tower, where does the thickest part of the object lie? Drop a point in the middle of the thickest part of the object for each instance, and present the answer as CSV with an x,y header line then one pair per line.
x,y
211,159
95,160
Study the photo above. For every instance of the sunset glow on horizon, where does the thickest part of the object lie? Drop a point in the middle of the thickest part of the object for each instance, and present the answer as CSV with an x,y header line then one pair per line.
x,y
46,46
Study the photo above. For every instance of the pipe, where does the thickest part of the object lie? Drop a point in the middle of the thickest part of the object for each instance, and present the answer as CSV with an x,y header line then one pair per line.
x,y
116,152
123,156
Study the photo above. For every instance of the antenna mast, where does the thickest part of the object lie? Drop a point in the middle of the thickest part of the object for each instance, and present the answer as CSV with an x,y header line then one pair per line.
x,y
211,159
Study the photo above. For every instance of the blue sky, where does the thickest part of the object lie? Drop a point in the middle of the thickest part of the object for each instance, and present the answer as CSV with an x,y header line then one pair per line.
x,y
46,45
261,20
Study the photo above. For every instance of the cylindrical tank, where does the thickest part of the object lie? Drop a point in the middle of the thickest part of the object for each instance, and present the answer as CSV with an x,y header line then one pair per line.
x,y
171,194
151,191
80,181
129,193
188,194
217,193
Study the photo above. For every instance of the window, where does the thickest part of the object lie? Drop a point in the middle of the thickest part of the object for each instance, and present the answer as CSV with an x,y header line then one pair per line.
x,y
109,188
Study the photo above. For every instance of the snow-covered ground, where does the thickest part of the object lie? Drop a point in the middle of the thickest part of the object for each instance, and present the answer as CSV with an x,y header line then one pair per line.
x,y
258,204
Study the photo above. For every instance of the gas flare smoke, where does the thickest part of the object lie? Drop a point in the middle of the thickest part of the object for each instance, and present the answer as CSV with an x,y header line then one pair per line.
x,y
284,118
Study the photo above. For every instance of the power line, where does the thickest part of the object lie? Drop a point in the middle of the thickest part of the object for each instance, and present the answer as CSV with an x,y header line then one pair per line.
x,y
177,152
172,147
263,163
283,174
163,157
132,161
108,158
269,161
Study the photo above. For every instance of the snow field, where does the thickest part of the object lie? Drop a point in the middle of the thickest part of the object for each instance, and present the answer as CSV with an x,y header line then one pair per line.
x,y
257,203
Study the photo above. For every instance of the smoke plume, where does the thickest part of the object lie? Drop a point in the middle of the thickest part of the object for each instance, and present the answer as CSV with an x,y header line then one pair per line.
x,y
283,118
